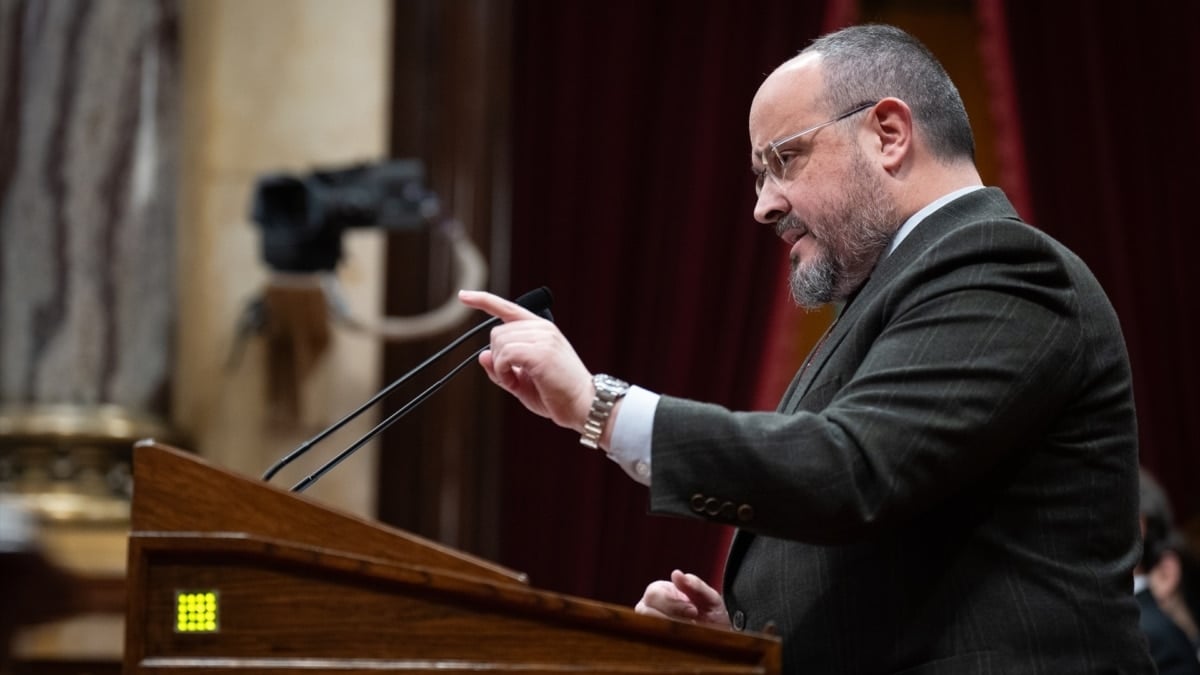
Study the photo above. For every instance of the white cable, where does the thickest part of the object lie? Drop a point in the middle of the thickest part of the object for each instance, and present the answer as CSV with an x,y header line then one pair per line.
x,y
471,268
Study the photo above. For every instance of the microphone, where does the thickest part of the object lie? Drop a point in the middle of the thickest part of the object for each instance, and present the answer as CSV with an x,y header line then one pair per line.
x,y
537,301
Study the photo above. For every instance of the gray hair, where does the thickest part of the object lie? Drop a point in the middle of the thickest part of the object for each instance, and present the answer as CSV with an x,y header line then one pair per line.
x,y
866,63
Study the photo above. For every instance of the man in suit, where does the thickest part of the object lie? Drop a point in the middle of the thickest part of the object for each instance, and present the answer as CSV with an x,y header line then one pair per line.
x,y
1156,582
950,483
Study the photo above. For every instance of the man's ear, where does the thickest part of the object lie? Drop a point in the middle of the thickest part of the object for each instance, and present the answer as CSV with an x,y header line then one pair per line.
x,y
892,126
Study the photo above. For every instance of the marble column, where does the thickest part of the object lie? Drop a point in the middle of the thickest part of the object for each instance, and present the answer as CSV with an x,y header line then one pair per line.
x,y
89,95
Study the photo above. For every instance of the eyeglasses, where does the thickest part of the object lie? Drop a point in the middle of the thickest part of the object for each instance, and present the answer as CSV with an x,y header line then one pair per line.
x,y
775,164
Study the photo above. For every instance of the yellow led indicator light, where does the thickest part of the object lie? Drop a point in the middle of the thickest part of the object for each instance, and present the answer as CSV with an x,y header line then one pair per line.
x,y
196,611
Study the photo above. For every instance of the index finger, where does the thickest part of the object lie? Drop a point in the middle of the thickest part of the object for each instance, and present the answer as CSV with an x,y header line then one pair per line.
x,y
502,309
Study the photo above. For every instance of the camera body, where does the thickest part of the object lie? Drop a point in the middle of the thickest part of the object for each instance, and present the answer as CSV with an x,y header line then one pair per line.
x,y
302,217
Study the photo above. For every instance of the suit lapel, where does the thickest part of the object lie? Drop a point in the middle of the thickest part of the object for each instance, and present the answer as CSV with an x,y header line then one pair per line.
x,y
825,346
733,560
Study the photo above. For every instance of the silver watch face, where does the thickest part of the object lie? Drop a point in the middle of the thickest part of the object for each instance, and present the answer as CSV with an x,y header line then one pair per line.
x,y
609,386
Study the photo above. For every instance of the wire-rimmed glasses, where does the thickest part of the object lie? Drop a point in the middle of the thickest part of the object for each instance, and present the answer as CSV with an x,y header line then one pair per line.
x,y
775,164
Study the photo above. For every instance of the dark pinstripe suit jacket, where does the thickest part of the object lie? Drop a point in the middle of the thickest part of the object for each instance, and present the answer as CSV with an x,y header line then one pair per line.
x,y
951,485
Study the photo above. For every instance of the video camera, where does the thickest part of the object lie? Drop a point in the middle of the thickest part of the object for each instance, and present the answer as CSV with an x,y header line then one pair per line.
x,y
302,217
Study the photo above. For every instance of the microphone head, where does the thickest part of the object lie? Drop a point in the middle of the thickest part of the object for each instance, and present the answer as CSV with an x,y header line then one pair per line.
x,y
537,301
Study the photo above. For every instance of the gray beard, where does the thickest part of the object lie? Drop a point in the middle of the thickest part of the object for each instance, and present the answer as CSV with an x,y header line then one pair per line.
x,y
834,277
813,284
853,235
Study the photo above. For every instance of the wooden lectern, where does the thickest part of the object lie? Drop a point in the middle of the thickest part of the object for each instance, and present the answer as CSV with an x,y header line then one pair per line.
x,y
232,575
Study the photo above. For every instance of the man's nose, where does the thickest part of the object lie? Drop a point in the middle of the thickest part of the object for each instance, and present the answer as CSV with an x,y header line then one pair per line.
x,y
771,205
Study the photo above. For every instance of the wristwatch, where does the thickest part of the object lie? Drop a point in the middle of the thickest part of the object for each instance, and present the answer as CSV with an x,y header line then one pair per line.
x,y
609,390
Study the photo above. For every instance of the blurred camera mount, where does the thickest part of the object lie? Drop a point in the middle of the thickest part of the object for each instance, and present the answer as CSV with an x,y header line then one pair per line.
x,y
302,218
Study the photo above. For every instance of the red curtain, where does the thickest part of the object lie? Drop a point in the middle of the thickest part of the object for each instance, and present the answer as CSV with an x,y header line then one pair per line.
x,y
632,201
1107,98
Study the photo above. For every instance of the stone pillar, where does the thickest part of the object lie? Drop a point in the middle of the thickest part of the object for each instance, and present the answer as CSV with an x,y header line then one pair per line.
x,y
268,87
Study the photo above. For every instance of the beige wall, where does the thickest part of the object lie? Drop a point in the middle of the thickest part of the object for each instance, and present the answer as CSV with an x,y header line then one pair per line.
x,y
273,85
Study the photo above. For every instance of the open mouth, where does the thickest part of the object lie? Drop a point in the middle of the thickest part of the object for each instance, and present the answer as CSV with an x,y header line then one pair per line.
x,y
794,234
791,230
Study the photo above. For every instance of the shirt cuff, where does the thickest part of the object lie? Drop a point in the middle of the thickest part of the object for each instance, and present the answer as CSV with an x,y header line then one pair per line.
x,y
629,445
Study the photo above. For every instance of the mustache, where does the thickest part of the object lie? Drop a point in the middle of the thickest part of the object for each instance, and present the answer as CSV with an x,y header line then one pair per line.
x,y
789,222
